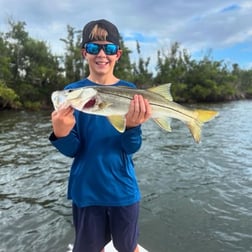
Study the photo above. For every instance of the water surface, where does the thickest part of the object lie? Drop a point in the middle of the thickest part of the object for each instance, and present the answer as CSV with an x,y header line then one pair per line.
x,y
194,197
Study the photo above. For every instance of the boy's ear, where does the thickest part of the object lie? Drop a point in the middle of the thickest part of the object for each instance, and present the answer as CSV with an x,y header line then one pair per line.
x,y
84,53
119,54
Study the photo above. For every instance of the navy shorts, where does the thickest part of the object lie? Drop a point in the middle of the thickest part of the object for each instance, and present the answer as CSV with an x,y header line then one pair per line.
x,y
95,226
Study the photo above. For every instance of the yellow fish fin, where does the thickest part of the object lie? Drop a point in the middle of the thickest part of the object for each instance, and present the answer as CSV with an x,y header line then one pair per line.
x,y
163,123
118,121
163,90
201,116
104,105
205,115
195,129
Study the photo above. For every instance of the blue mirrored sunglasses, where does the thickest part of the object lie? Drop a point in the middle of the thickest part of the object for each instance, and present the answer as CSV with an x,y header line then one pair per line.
x,y
109,49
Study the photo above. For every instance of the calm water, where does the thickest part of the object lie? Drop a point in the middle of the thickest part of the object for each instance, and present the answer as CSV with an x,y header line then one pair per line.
x,y
194,197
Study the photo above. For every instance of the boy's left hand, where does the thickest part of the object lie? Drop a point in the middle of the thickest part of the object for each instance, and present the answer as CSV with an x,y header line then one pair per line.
x,y
139,111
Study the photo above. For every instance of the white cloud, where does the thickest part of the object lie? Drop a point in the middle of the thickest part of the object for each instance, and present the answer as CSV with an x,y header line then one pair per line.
x,y
198,25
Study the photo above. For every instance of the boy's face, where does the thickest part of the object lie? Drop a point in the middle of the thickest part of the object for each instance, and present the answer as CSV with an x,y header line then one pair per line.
x,y
101,63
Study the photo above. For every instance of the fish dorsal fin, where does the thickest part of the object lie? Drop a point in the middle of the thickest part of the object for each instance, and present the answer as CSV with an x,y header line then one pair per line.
x,y
163,90
163,123
118,121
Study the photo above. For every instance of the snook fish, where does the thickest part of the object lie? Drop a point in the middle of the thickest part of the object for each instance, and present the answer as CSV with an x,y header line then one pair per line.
x,y
113,102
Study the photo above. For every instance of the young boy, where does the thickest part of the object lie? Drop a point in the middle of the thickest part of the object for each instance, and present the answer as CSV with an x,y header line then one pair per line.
x,y
102,183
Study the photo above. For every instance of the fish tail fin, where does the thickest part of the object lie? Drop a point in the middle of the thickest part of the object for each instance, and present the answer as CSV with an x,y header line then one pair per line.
x,y
201,116
205,115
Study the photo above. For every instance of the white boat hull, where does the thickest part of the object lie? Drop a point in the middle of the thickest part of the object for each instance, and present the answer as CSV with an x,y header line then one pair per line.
x,y
110,248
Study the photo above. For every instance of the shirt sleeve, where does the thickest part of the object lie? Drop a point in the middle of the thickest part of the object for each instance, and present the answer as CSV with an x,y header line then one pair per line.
x,y
68,145
132,140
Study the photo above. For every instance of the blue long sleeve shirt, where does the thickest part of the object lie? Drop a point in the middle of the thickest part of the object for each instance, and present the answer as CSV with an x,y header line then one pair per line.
x,y
102,172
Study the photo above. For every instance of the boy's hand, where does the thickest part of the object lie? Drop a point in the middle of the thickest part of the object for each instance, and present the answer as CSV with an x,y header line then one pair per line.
x,y
139,112
63,121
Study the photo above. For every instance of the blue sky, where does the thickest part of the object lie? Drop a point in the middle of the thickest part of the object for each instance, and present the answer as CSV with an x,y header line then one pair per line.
x,y
222,27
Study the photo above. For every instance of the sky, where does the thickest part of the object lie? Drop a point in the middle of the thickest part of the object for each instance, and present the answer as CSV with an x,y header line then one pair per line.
x,y
222,28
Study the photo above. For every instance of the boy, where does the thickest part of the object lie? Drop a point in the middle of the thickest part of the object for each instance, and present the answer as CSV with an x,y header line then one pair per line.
x,y
102,183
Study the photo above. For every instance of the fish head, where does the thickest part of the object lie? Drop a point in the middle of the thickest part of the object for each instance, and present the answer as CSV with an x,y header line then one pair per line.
x,y
86,99
59,100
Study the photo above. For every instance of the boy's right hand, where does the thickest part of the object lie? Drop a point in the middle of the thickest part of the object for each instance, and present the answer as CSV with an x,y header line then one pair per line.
x,y
63,121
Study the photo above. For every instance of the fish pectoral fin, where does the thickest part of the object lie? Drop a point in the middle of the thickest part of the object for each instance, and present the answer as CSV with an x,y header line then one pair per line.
x,y
163,90
163,123
118,121
104,105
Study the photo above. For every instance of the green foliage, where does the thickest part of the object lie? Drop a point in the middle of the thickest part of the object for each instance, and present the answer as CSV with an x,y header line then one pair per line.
x,y
73,59
243,81
8,97
29,72
140,73
123,67
32,105
202,81
32,67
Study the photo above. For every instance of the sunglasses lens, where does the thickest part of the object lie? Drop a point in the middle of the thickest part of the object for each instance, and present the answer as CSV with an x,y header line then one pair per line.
x,y
109,49
92,48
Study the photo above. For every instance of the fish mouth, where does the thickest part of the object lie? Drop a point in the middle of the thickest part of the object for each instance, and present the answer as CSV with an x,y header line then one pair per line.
x,y
90,104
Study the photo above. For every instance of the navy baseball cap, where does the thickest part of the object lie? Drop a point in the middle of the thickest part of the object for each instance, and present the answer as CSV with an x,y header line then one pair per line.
x,y
113,33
